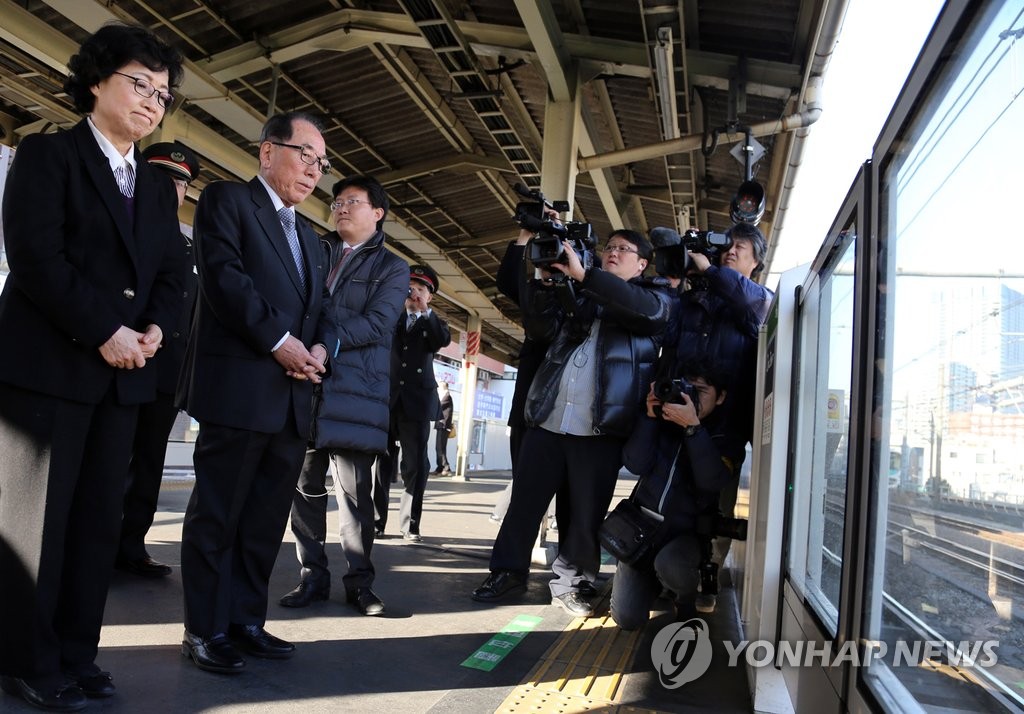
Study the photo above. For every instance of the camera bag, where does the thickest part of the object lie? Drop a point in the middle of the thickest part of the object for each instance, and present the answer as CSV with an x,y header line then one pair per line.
x,y
628,533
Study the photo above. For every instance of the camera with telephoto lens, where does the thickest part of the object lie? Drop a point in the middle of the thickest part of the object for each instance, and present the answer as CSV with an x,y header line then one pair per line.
x,y
713,525
671,259
546,247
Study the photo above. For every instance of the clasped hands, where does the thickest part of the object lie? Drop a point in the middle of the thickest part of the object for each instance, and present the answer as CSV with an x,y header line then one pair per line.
x,y
128,348
300,363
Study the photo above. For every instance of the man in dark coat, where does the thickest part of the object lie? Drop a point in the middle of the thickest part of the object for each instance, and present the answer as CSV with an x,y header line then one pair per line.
x,y
156,418
249,382
443,426
414,403
368,285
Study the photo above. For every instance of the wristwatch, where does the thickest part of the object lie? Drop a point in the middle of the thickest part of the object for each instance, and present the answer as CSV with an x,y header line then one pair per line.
x,y
691,429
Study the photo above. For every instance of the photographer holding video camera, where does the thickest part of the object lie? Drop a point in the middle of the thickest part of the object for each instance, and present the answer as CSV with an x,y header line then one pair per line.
x,y
582,404
720,311
676,451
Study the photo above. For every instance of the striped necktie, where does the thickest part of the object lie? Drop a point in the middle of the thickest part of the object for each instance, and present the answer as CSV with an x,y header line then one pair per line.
x,y
287,217
125,177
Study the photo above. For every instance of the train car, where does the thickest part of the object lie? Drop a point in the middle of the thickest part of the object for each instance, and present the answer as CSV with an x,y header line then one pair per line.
x,y
881,577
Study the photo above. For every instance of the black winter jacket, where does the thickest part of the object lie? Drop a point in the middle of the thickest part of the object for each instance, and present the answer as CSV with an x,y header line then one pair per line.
x,y
682,494
370,295
633,317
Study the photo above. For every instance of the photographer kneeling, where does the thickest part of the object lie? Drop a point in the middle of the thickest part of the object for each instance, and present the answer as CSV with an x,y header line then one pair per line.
x,y
583,403
676,451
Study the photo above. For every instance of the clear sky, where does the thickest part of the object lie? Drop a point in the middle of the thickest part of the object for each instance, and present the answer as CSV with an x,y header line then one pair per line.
x,y
877,47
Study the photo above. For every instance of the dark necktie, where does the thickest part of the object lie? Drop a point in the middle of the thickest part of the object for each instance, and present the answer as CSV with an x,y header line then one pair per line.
x,y
413,316
337,269
287,217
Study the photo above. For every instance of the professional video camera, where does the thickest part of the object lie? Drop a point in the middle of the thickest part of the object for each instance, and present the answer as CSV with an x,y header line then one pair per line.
x,y
670,249
546,247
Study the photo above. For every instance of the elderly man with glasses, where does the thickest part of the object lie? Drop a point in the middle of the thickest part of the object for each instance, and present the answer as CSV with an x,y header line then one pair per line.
x,y
248,380
582,404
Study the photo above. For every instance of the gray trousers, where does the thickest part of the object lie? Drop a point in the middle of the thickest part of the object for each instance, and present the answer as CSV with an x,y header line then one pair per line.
x,y
352,474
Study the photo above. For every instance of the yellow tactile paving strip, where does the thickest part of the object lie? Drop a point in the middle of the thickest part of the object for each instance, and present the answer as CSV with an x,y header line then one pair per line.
x,y
581,672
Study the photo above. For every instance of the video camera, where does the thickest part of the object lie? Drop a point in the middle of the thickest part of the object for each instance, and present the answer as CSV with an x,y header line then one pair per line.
x,y
546,247
671,259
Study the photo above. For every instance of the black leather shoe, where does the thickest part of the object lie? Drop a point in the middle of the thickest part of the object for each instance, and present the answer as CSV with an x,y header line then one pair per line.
x,y
254,640
499,584
145,567
62,697
214,654
95,685
573,604
366,601
304,593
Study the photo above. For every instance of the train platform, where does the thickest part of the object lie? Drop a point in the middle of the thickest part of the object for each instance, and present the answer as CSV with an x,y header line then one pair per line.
x,y
435,650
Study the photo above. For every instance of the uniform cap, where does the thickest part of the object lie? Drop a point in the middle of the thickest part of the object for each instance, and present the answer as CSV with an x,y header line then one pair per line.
x,y
424,274
173,157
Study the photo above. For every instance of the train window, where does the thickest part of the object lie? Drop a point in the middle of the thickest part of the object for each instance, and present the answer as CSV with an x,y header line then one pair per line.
x,y
825,356
945,597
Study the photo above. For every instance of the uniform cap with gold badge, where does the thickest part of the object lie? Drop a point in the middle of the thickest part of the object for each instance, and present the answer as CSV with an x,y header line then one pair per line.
x,y
424,274
173,157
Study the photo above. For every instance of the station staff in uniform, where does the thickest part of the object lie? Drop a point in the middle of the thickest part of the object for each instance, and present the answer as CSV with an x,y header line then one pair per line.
x,y
414,401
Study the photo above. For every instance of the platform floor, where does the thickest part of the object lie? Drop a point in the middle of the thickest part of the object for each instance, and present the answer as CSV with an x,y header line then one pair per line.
x,y
414,658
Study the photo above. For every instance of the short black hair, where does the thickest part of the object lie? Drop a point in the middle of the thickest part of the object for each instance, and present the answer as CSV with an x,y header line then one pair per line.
x,y
376,193
644,249
704,368
109,49
280,127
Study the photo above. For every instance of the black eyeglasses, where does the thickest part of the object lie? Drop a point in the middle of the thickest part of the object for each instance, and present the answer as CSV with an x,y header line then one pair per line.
x,y
307,156
145,88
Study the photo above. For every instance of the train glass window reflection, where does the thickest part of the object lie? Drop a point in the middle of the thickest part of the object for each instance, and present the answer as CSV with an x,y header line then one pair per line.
x,y
828,379
948,564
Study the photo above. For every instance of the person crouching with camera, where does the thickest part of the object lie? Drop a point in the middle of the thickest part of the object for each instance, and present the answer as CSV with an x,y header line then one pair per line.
x,y
582,404
677,452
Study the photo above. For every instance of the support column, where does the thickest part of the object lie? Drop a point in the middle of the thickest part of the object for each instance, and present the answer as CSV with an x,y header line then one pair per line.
x,y
470,344
562,125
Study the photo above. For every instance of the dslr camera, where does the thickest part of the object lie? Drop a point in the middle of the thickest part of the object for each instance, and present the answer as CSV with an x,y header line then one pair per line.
x,y
671,259
671,391
546,248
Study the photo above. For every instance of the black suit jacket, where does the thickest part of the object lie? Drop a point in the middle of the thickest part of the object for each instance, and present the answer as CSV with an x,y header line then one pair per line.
x,y
413,384
81,268
250,295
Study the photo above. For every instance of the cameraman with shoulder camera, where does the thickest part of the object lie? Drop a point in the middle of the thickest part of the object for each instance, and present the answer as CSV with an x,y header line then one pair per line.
x,y
676,451
720,312
582,404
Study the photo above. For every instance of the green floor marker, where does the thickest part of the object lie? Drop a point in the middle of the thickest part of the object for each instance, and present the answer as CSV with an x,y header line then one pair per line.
x,y
498,647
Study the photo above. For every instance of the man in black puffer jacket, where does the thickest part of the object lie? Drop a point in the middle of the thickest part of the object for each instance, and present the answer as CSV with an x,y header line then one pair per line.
x,y
582,404
368,286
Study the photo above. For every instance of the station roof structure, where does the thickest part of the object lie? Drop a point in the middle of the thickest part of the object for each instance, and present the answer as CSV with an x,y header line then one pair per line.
x,y
636,111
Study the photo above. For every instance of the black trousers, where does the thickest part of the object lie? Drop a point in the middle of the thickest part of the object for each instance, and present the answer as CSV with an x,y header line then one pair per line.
x,y
441,450
412,436
234,523
582,470
145,472
353,481
62,476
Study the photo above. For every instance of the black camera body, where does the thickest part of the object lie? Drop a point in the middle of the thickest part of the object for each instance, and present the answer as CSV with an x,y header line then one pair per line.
x,y
671,259
714,525
546,248
671,391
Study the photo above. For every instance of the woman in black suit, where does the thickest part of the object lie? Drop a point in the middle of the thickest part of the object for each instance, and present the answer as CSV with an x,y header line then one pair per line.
x,y
96,277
